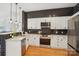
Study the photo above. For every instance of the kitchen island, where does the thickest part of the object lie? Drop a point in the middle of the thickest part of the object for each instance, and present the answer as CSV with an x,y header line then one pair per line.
x,y
16,46
3,37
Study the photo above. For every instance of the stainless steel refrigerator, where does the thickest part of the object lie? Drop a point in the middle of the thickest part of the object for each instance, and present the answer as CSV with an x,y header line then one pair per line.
x,y
73,33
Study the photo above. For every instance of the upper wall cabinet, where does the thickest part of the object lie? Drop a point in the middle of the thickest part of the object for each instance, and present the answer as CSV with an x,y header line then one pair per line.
x,y
59,22
44,16
33,23
56,22
46,19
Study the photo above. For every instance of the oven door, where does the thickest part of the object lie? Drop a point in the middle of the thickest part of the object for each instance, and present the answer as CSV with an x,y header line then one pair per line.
x,y
44,41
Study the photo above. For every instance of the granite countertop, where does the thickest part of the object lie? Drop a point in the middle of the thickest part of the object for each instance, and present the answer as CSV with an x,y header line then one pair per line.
x,y
4,33
16,38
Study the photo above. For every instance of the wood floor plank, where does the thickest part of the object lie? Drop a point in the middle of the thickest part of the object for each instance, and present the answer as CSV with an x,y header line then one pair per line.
x,y
38,51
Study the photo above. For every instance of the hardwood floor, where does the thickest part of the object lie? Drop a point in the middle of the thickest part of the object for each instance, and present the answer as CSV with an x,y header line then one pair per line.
x,y
39,51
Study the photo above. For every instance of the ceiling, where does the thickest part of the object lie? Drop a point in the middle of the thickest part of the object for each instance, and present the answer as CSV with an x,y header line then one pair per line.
x,y
42,6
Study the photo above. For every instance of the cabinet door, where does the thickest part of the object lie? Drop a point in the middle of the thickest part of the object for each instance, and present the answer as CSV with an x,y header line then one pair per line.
x,y
37,25
36,40
53,24
62,42
30,20
34,24
59,41
29,25
43,19
48,19
59,22
53,41
30,40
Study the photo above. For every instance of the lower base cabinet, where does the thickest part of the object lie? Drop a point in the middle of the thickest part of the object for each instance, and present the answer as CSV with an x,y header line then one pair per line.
x,y
56,41
15,47
34,40
59,41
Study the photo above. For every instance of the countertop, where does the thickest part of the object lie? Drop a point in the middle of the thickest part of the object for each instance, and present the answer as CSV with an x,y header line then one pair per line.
x,y
17,38
4,33
27,36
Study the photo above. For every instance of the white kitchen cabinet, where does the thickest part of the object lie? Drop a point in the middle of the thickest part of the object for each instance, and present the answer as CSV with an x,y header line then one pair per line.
x,y
56,22
43,19
59,41
48,19
59,22
34,23
30,20
29,25
62,41
53,41
34,40
16,46
53,23
36,19
30,40
37,25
